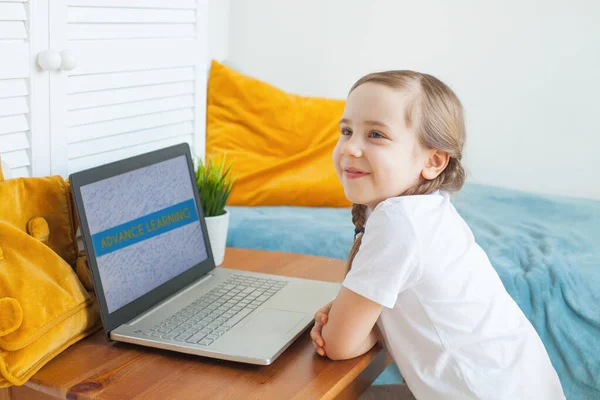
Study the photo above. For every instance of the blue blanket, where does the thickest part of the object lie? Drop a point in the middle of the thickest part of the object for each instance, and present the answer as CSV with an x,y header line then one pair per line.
x,y
546,250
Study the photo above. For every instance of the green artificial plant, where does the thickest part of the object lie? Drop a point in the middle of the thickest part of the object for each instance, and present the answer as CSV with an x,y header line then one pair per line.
x,y
214,185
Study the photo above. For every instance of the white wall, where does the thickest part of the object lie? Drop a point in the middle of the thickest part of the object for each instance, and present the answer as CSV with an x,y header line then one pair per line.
x,y
527,72
218,29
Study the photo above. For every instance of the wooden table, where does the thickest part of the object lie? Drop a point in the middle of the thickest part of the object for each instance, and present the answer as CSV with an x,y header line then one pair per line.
x,y
96,369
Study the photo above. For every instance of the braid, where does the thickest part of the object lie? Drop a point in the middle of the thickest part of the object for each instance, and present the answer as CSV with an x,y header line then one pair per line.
x,y
454,176
359,217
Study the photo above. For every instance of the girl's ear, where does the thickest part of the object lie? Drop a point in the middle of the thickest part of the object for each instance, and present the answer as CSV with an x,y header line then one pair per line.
x,y
435,164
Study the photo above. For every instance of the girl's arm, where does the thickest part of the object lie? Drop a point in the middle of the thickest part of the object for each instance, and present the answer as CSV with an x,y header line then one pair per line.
x,y
349,330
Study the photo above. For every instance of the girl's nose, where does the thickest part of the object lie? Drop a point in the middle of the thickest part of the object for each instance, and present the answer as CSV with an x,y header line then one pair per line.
x,y
352,149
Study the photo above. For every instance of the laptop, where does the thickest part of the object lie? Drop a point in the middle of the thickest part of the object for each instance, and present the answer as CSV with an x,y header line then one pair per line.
x,y
154,275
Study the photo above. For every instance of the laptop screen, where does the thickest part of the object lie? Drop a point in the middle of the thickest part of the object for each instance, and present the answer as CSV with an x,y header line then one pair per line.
x,y
144,228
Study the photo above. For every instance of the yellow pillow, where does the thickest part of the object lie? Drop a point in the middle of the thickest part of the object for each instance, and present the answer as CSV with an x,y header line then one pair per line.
x,y
44,308
280,143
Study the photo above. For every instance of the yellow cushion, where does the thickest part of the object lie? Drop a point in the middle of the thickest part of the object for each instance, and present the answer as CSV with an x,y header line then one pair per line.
x,y
44,308
45,288
280,143
26,199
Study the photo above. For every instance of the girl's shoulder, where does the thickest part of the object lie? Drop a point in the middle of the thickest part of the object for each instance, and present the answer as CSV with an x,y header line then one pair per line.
x,y
420,215
414,206
429,222
404,215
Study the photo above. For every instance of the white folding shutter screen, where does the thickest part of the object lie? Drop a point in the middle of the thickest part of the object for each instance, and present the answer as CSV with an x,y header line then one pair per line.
x,y
15,147
140,81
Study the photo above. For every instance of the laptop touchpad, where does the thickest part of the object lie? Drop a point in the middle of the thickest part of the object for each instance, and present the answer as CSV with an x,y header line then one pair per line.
x,y
272,321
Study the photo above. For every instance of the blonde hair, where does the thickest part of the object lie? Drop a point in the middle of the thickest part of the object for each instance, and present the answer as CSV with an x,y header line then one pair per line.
x,y
435,114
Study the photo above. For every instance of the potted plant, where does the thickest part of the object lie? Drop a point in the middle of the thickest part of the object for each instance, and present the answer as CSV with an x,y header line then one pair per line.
x,y
214,185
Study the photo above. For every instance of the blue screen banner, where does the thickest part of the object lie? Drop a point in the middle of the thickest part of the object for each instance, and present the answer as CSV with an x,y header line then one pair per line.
x,y
144,228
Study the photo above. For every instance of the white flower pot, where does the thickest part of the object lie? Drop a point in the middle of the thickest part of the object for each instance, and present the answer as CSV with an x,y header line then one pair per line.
x,y
217,233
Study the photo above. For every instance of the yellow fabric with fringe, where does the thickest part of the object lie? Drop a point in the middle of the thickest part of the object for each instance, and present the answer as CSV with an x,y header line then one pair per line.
x,y
280,143
44,307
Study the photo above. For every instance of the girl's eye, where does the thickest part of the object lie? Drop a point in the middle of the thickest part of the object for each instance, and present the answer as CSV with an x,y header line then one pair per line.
x,y
376,135
346,132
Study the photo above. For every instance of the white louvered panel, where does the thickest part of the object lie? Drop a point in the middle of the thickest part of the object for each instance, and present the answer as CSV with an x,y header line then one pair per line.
x,y
13,106
16,159
14,92
98,159
119,126
14,127
119,96
102,145
90,115
12,21
118,80
13,88
15,60
10,11
130,31
13,123
10,30
22,172
108,56
112,110
179,4
13,141
119,21
139,83
80,15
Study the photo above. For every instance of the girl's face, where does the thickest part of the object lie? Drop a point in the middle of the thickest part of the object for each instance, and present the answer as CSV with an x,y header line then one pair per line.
x,y
377,156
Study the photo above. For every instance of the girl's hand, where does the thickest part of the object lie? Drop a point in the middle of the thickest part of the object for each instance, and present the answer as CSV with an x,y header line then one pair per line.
x,y
321,318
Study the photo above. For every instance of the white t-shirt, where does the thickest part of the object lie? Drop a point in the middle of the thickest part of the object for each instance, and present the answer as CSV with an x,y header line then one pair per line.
x,y
447,321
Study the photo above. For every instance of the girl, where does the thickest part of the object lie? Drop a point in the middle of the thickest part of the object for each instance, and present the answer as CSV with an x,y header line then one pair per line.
x,y
417,280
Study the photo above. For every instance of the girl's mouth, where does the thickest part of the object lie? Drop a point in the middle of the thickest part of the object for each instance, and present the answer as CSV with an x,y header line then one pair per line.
x,y
354,173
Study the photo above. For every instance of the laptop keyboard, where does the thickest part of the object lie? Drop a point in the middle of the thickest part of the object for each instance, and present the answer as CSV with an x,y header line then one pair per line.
x,y
209,317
